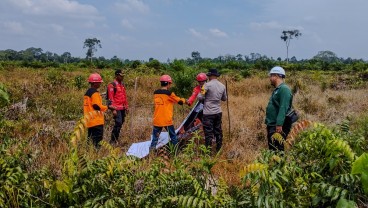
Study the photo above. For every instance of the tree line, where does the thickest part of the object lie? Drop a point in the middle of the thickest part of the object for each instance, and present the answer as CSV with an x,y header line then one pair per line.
x,y
324,60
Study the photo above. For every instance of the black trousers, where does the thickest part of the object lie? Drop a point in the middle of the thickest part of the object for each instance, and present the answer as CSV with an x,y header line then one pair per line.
x,y
212,129
119,120
274,144
95,134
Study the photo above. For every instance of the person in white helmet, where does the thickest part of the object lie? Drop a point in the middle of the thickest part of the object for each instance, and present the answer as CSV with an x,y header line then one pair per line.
x,y
278,106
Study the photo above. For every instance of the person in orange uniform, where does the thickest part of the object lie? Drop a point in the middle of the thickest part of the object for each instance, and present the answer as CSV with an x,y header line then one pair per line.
x,y
93,102
164,101
118,103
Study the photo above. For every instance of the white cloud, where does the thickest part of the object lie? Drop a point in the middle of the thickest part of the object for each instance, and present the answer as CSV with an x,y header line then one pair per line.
x,y
119,37
55,7
12,27
133,6
126,24
218,33
265,25
197,34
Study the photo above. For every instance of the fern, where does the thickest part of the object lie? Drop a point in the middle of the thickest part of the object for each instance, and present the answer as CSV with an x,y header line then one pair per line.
x,y
297,128
255,167
338,146
330,191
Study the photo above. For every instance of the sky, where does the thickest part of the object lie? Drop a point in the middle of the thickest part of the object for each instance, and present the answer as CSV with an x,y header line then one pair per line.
x,y
173,29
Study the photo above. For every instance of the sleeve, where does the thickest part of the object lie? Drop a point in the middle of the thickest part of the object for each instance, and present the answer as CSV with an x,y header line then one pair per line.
x,y
110,92
97,102
176,99
224,95
126,99
285,98
194,95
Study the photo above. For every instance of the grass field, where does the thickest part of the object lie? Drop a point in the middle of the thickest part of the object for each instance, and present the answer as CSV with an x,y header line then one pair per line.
x,y
54,105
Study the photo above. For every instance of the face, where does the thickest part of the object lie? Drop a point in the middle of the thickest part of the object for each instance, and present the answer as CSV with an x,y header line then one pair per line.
x,y
119,77
201,83
273,78
96,84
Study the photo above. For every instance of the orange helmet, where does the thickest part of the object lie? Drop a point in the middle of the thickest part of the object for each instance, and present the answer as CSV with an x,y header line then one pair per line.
x,y
165,78
95,78
201,77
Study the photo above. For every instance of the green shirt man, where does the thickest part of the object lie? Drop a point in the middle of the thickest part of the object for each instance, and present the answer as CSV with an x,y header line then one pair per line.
x,y
278,106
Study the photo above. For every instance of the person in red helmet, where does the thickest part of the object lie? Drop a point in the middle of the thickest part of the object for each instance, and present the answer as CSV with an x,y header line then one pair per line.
x,y
93,102
201,78
118,103
164,101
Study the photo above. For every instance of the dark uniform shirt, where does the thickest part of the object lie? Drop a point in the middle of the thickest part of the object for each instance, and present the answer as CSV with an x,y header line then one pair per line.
x,y
278,105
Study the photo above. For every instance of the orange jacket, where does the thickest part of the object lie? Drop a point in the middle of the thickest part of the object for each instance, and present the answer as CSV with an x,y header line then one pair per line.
x,y
164,107
93,102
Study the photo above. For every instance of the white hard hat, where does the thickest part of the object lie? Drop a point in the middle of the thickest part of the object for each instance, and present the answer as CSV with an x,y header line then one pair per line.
x,y
277,70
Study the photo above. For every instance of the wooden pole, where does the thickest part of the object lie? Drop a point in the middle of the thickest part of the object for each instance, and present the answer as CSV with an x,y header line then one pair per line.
x,y
133,108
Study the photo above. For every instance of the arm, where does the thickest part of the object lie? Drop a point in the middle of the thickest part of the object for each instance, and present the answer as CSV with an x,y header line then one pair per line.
x,y
194,95
224,96
110,94
97,102
177,99
285,98
126,99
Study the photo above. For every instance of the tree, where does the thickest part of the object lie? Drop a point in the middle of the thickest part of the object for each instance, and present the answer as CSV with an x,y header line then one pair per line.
x,y
239,57
326,56
65,56
196,56
91,44
286,36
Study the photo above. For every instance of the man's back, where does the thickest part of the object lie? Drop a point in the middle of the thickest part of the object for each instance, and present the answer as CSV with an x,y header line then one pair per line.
x,y
215,92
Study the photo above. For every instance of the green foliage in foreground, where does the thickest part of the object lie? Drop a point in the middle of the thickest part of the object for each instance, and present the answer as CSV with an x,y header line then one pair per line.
x,y
321,170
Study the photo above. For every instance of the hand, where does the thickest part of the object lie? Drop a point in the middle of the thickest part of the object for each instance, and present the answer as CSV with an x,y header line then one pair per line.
x,y
279,129
114,113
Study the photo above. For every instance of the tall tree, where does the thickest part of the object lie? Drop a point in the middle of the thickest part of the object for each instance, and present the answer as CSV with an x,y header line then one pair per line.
x,y
196,56
65,56
286,36
91,44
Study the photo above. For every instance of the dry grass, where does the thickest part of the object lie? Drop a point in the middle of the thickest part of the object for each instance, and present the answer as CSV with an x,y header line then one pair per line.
x,y
53,110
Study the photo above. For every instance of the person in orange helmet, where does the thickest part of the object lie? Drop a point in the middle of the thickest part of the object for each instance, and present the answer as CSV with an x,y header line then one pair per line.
x,y
93,102
164,101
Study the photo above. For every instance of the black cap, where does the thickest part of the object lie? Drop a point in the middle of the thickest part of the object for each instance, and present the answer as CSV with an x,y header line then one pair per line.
x,y
213,72
119,72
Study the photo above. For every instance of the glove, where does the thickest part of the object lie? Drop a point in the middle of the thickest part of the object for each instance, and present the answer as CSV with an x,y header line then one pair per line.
x,y
203,91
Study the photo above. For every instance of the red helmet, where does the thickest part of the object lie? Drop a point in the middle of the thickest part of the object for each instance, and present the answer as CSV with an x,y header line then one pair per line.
x,y
165,78
201,77
95,78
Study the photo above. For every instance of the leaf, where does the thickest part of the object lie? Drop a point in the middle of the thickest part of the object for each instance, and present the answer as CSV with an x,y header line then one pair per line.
x,y
360,165
344,203
364,180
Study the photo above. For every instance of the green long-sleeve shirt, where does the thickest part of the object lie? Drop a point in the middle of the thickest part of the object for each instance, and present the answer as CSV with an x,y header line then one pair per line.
x,y
279,104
